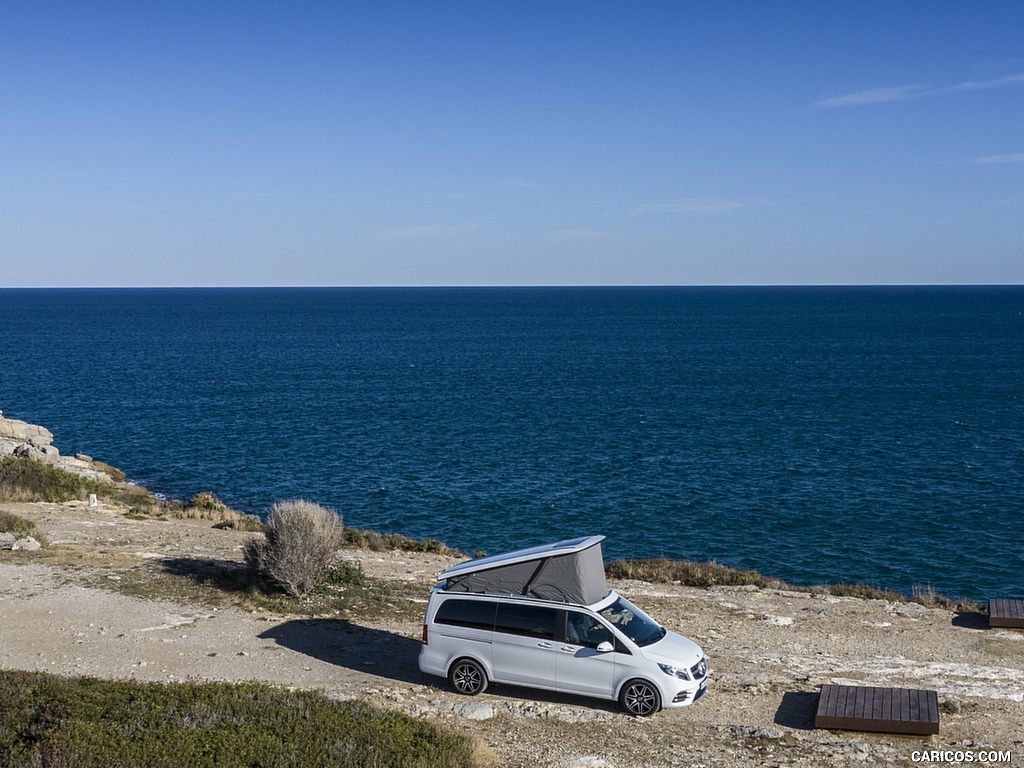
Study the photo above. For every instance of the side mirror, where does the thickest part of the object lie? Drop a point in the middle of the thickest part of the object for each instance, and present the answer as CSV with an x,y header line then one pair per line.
x,y
605,647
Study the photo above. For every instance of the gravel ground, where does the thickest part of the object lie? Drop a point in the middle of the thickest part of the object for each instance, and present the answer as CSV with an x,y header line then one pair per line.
x,y
768,650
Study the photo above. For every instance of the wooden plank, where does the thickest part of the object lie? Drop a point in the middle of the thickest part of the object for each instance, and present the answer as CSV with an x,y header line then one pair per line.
x,y
827,700
1006,613
877,695
829,706
897,704
1003,612
885,710
932,711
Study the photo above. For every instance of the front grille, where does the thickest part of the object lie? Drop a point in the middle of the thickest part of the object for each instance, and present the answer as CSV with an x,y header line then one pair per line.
x,y
699,670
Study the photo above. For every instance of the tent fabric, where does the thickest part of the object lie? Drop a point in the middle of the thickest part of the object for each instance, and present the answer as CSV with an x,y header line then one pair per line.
x,y
577,577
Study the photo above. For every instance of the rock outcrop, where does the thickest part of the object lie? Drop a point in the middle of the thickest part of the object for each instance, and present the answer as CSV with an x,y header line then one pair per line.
x,y
19,438
27,543
13,430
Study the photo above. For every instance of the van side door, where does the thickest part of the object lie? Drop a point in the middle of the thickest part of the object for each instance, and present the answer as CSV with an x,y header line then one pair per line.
x,y
581,668
523,644
460,626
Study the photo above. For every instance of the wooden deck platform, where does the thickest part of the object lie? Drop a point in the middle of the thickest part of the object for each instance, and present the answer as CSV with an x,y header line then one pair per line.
x,y
1006,613
884,710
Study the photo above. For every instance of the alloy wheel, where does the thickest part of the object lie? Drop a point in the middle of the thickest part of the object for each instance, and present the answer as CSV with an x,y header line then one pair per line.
x,y
468,677
640,698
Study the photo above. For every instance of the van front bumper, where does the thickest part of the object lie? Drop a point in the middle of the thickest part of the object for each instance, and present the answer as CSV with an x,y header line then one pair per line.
x,y
684,696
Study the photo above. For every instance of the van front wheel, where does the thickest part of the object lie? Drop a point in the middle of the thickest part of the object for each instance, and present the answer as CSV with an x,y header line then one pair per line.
x,y
467,677
640,698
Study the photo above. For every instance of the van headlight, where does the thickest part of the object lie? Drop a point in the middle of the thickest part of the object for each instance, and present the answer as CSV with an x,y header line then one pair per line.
x,y
681,672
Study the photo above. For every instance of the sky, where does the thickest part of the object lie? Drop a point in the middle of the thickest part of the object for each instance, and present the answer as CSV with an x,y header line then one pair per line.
x,y
257,143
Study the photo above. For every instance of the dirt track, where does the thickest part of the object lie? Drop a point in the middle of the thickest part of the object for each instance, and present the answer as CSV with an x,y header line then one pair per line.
x,y
769,651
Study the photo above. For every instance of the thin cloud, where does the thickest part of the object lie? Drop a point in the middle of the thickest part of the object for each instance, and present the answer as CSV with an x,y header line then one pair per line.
x,y
998,159
873,96
985,84
522,183
696,205
904,92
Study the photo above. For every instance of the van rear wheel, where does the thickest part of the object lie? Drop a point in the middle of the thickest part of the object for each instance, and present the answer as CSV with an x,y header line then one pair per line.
x,y
467,677
640,698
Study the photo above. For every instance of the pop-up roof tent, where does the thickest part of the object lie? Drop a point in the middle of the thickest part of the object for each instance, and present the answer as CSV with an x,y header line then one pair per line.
x,y
568,571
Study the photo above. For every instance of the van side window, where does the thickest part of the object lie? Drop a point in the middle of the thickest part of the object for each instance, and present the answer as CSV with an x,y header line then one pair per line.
x,y
477,614
581,629
528,620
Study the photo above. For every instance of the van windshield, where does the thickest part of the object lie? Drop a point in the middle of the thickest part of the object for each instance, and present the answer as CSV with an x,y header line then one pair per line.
x,y
633,623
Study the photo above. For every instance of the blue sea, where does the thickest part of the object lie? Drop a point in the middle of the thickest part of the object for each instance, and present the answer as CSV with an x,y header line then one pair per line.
x,y
871,434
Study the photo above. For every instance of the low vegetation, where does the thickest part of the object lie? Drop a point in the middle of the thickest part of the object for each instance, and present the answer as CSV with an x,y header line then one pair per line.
x,y
861,591
926,595
346,592
380,542
710,574
298,547
19,526
23,479
83,722
206,506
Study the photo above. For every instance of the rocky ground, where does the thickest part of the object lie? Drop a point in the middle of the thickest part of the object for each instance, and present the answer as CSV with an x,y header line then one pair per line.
x,y
769,651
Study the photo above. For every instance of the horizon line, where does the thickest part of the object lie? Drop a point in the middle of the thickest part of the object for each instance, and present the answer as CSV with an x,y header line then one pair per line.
x,y
491,286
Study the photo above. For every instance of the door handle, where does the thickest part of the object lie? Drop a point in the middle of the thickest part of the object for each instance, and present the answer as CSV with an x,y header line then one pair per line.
x,y
543,645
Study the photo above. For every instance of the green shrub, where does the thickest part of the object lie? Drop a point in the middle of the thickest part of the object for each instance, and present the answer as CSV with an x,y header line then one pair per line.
x,y
346,574
25,479
363,539
377,542
82,723
206,500
684,572
19,526
298,546
950,706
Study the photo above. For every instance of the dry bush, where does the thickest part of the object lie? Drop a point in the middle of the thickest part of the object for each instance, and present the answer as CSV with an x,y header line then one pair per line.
x,y
206,506
928,597
298,547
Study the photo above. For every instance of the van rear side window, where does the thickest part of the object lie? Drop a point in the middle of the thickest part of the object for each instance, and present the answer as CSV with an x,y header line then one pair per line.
x,y
528,620
476,614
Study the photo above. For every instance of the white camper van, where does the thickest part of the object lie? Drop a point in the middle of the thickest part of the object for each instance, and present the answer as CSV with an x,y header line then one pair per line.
x,y
544,617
